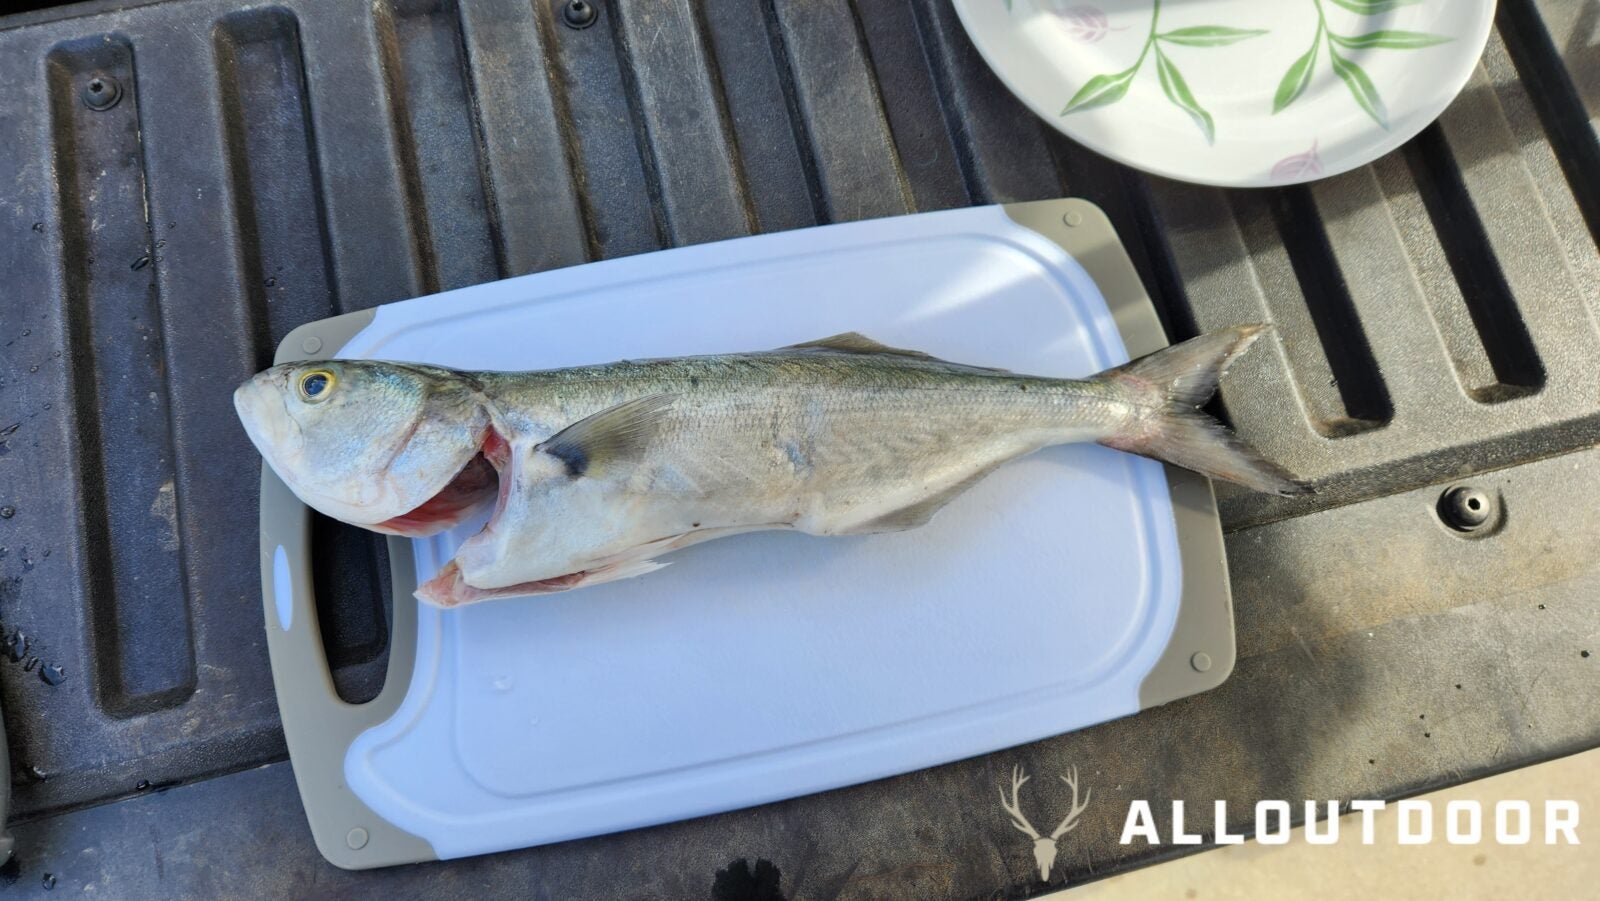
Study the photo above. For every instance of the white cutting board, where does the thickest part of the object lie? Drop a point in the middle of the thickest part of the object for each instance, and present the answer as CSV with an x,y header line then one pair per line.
x,y
771,665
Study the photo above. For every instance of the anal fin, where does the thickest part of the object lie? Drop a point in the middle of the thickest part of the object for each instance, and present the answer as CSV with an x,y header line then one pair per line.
x,y
920,512
625,569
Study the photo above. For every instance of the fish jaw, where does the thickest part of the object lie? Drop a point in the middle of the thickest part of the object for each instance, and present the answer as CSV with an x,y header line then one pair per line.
x,y
259,405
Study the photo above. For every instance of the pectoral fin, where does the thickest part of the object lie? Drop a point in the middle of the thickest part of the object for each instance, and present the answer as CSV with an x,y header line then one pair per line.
x,y
616,434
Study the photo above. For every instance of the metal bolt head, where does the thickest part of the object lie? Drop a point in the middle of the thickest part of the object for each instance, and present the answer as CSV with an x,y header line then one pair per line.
x,y
579,13
101,92
1201,662
1073,218
1465,508
356,838
311,344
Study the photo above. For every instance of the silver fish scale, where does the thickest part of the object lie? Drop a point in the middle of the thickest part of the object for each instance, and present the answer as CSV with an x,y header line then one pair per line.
x,y
542,402
837,436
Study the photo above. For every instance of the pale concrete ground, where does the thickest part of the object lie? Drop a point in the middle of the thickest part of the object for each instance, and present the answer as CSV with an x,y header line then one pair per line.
x,y
1386,869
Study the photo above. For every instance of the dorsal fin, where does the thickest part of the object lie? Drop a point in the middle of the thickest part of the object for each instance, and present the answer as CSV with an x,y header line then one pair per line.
x,y
857,343
615,434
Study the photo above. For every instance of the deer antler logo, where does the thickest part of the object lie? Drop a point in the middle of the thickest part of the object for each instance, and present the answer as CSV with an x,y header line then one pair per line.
x,y
1044,848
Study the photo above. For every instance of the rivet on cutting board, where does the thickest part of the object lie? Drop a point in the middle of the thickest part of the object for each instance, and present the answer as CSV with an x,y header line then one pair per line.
x,y
356,838
1201,662
311,345
579,14
1073,218
102,92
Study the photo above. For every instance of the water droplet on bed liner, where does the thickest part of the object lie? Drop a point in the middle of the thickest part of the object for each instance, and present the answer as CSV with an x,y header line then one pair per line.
x,y
503,683
53,674
49,881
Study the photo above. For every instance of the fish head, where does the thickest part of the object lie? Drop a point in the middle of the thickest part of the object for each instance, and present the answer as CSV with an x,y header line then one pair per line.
x,y
365,442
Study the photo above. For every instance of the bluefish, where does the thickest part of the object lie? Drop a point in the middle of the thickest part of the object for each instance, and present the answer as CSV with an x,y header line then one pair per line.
x,y
595,472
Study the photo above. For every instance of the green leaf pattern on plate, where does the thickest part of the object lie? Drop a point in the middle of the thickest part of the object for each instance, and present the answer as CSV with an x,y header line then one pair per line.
x,y
1349,71
1208,35
1101,90
1393,40
1177,90
1110,87
1355,78
1370,7
1295,80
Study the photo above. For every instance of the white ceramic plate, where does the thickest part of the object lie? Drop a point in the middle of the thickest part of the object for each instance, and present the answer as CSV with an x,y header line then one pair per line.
x,y
1238,93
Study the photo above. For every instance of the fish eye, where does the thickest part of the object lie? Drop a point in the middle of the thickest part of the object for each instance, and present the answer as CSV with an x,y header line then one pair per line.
x,y
316,385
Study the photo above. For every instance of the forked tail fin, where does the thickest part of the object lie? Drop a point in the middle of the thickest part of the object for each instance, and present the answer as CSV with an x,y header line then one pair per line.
x,y
1168,387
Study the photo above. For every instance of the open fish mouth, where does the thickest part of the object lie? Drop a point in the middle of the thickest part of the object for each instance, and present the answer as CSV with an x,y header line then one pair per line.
x,y
477,484
483,479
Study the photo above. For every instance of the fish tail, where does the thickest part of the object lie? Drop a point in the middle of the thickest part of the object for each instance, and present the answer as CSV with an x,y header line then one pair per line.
x,y
1167,387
